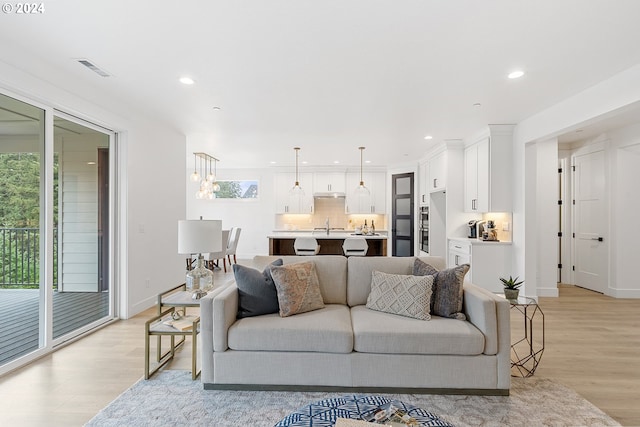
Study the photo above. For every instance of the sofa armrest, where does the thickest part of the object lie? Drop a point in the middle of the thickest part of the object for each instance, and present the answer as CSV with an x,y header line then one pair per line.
x,y
480,310
225,310
491,314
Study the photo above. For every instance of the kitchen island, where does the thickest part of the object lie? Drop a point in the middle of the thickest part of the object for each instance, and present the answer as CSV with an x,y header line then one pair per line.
x,y
281,242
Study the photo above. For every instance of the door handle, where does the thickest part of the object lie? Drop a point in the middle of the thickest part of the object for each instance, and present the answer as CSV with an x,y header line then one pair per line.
x,y
599,239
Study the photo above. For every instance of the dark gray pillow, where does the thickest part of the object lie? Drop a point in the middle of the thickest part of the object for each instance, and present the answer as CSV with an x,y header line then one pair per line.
x,y
446,299
256,291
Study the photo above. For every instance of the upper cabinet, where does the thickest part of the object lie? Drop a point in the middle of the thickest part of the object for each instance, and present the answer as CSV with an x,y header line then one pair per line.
x,y
333,182
487,172
375,201
437,173
288,204
423,186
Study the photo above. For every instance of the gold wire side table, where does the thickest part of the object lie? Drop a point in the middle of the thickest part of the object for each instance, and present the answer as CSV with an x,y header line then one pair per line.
x,y
156,327
528,339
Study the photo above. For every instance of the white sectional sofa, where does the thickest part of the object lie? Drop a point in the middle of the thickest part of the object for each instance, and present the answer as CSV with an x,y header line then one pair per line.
x,y
348,346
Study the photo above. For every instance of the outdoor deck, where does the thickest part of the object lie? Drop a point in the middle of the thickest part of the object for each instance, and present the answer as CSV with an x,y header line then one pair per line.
x,y
19,317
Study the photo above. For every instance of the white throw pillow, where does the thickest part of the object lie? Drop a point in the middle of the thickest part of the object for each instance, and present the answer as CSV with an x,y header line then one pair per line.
x,y
400,294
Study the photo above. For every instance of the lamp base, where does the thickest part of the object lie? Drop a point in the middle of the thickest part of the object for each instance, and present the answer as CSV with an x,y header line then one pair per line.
x,y
199,280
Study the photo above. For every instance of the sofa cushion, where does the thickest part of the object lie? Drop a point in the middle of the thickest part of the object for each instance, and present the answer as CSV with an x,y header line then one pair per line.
x,y
297,287
401,294
256,290
325,330
447,288
377,332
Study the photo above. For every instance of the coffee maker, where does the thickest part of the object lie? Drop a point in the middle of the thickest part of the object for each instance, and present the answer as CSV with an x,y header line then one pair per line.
x,y
476,228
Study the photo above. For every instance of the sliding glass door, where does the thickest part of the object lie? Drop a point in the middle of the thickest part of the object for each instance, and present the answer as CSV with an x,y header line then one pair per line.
x,y
55,229
81,222
22,141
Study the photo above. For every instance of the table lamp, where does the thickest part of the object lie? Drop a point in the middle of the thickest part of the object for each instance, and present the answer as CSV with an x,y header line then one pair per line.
x,y
196,237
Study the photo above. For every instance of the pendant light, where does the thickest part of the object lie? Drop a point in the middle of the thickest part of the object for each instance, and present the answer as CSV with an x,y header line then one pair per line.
x,y
296,190
215,187
361,189
195,176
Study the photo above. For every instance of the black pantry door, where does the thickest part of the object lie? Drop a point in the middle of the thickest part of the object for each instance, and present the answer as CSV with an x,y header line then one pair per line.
x,y
402,215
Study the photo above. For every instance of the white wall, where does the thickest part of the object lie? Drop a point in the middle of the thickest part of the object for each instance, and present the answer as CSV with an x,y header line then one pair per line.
x,y
151,180
624,159
605,99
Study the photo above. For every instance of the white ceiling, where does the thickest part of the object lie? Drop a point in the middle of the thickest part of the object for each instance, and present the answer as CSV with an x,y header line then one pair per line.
x,y
329,75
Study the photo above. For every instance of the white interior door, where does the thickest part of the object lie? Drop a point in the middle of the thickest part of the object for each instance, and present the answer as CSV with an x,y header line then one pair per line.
x,y
591,222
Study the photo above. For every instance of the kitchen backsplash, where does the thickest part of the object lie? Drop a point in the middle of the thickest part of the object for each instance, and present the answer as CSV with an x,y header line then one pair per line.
x,y
502,220
332,208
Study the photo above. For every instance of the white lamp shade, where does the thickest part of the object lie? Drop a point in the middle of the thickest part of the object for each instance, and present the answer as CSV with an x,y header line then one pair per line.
x,y
199,236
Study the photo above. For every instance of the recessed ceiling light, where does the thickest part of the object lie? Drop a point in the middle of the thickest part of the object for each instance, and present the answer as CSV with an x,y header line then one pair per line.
x,y
217,108
304,162
272,162
516,74
477,104
367,161
336,161
428,137
186,80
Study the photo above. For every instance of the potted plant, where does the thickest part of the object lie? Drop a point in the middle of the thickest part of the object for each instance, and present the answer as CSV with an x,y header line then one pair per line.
x,y
511,286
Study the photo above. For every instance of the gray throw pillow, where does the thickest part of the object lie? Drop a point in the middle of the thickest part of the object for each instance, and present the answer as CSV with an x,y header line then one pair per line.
x,y
448,291
256,291
401,294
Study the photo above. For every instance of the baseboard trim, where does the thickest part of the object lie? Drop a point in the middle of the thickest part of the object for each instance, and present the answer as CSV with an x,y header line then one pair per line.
x,y
399,390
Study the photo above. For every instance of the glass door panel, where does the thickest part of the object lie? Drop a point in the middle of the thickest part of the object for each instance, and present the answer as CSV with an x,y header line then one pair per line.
x,y
21,165
402,215
81,181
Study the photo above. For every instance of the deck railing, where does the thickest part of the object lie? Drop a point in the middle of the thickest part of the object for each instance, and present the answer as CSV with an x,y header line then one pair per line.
x,y
20,258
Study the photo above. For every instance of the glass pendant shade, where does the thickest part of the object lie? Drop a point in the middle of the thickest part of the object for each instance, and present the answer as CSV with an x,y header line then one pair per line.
x,y
215,187
195,176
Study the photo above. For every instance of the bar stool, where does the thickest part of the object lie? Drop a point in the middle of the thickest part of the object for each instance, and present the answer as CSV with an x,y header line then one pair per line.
x,y
306,246
355,246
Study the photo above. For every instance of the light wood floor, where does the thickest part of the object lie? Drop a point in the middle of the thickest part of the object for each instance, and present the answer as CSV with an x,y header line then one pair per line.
x,y
592,346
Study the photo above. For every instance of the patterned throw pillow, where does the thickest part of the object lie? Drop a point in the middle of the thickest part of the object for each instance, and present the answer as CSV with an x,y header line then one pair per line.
x,y
408,296
298,288
256,291
447,289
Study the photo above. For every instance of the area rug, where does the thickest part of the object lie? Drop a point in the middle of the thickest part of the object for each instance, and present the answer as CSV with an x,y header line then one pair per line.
x,y
171,398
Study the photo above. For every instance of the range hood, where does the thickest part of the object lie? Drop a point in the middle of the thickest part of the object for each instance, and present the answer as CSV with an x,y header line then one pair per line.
x,y
329,194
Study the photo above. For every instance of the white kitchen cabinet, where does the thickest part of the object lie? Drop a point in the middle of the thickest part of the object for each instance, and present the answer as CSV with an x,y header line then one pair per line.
x,y
459,253
476,177
487,179
332,182
285,203
423,183
375,202
438,172
488,260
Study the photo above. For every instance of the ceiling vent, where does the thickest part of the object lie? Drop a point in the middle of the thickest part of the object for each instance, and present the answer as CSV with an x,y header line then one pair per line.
x,y
93,67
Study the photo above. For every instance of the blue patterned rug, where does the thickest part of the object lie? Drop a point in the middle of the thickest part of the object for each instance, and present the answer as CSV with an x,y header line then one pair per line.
x,y
324,413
